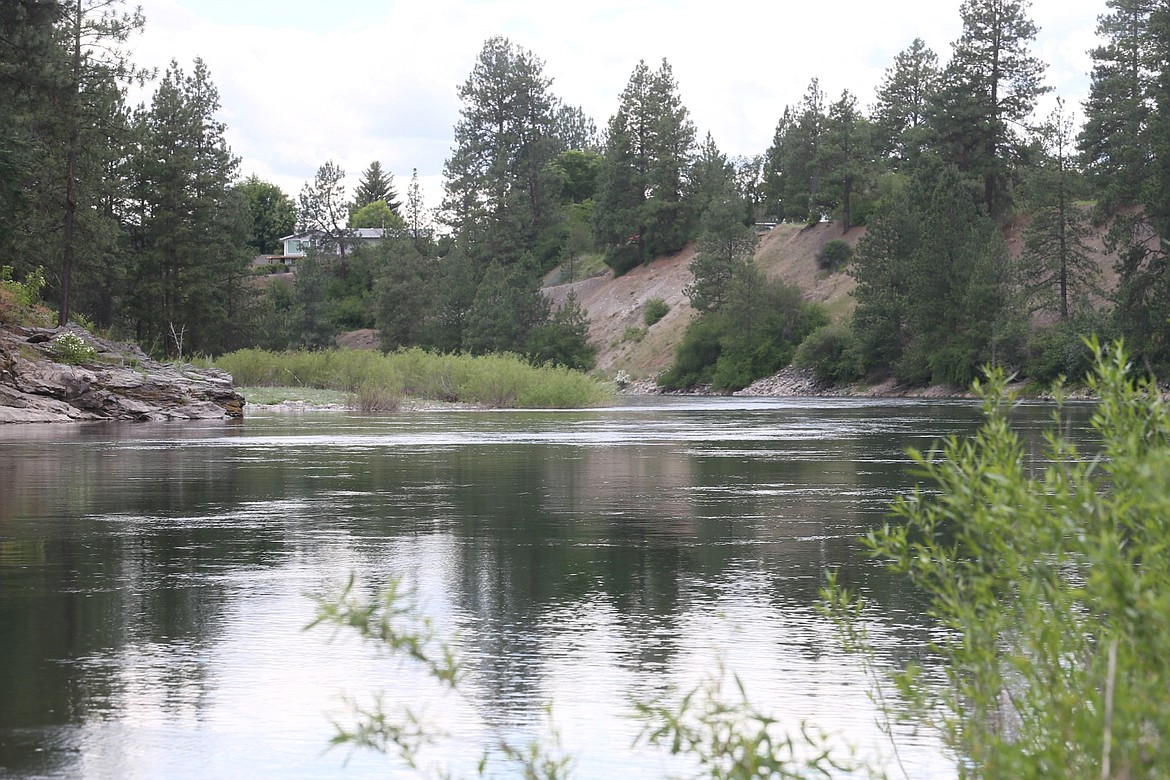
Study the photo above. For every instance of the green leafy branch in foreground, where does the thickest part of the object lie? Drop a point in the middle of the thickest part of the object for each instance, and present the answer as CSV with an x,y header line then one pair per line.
x,y
1050,577
728,738
393,621
732,739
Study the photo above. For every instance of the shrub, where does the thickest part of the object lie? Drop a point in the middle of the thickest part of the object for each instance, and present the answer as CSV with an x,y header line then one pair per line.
x,y
654,310
633,334
72,349
1050,584
491,380
834,255
829,353
1060,350
20,301
370,398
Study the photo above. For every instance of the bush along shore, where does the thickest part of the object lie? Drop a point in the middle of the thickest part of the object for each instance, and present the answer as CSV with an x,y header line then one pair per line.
x,y
373,381
68,374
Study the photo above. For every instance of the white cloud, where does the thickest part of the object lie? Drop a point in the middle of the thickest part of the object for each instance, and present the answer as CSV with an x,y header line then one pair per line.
x,y
358,80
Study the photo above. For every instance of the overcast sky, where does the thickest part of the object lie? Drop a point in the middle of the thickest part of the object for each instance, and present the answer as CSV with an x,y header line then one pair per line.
x,y
304,81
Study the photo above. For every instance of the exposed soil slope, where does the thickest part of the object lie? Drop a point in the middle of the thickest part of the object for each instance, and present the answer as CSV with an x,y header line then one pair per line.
x,y
615,306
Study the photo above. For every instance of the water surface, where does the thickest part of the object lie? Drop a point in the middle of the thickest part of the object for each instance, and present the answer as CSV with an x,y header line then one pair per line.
x,y
155,578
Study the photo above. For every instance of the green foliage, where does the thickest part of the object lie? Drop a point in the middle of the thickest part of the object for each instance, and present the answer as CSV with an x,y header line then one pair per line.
x,y
726,247
564,339
753,335
369,398
72,349
834,255
633,334
1059,350
933,276
695,359
491,380
1059,271
192,267
1051,587
374,185
830,353
375,215
988,90
20,301
654,310
641,210
732,739
273,215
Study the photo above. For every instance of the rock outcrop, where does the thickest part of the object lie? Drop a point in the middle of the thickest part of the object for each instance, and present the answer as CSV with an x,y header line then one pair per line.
x,y
120,383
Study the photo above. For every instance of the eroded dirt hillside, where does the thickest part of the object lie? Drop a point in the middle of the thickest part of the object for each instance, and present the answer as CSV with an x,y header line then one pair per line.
x,y
615,306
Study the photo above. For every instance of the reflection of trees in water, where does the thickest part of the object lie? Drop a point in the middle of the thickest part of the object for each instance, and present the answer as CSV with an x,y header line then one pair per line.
x,y
113,609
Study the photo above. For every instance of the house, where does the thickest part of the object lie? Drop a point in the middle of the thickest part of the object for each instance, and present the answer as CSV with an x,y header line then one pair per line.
x,y
297,244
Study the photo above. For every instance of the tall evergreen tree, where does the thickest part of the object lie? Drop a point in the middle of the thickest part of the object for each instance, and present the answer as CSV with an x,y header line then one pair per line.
x,y
1059,270
1126,147
1114,139
502,198
986,94
724,246
933,282
93,33
194,227
29,77
374,185
793,174
418,223
902,108
641,208
845,158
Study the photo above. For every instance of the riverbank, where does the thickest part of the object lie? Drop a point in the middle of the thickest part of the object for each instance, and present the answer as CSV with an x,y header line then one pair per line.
x,y
69,375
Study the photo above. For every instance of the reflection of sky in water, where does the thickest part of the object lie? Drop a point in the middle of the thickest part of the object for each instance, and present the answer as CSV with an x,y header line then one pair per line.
x,y
618,553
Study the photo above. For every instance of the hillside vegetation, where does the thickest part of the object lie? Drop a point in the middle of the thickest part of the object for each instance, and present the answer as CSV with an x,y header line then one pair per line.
x,y
615,305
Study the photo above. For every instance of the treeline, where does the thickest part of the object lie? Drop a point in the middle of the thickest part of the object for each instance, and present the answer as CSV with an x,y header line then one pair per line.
x,y
948,161
143,226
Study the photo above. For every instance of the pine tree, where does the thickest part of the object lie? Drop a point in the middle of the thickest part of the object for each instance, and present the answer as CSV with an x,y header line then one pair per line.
x,y
792,174
374,185
500,193
1126,146
192,238
724,246
1059,270
641,209
93,33
418,223
501,201
28,78
986,94
845,158
1114,141
903,104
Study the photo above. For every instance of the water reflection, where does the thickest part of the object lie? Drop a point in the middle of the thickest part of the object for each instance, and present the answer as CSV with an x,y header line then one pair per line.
x,y
153,578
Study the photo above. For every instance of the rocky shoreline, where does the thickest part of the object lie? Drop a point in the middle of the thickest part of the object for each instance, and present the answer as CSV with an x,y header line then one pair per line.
x,y
796,382
119,383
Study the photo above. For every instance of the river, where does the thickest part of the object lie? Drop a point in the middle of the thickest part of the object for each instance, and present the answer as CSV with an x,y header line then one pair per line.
x,y
156,579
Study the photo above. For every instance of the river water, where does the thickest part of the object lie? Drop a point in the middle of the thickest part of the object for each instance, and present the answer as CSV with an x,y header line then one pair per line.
x,y
156,580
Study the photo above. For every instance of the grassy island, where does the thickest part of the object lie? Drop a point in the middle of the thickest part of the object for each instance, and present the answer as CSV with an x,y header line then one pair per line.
x,y
380,382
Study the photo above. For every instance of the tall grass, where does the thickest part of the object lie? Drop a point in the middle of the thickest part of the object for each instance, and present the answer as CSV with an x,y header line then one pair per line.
x,y
489,380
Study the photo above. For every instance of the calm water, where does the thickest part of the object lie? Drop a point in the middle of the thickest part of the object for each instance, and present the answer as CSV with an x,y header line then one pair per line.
x,y
155,579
